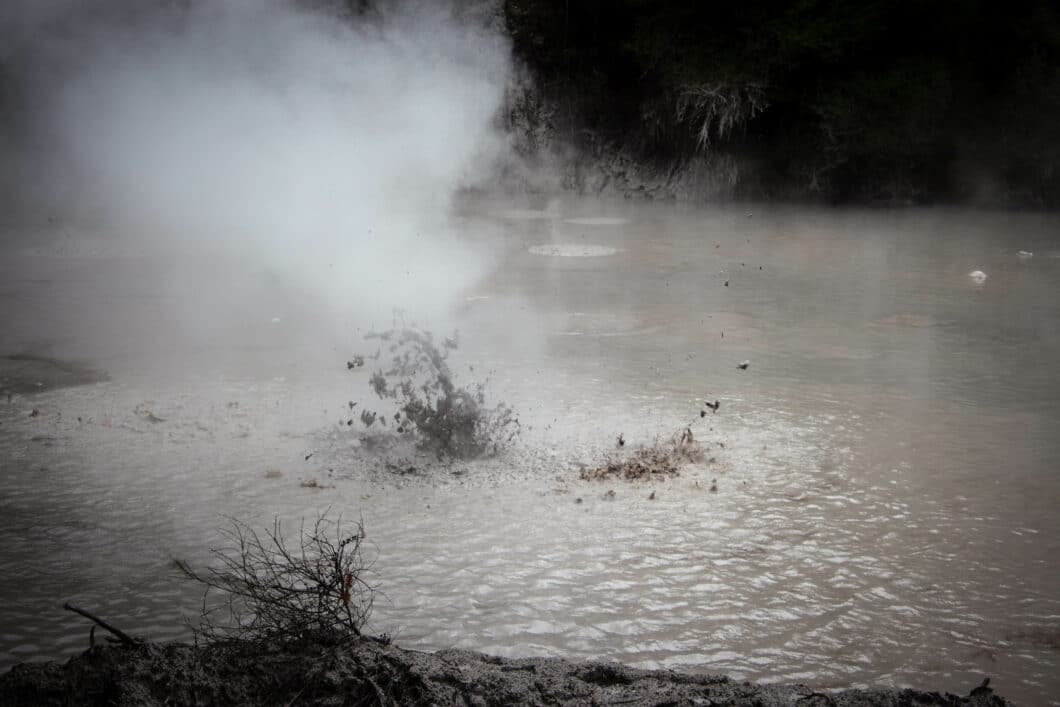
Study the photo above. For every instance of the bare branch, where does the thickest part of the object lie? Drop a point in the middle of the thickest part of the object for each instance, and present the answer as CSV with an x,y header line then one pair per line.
x,y
121,635
262,586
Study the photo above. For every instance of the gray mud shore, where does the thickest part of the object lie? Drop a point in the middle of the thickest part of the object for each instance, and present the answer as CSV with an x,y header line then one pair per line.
x,y
363,672
25,374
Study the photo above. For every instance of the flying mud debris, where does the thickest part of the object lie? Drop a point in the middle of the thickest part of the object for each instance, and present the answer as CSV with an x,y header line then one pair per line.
x,y
661,460
448,419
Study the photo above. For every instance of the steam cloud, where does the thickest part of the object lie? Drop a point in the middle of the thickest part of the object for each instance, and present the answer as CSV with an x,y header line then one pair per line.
x,y
323,145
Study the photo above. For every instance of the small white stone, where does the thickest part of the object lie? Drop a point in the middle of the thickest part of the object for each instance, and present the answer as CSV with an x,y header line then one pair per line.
x,y
978,276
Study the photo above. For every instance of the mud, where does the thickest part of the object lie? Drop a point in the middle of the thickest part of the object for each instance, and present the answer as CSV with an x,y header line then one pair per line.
x,y
661,460
22,374
366,672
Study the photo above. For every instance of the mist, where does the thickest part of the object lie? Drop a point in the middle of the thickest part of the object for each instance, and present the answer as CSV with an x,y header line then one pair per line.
x,y
258,146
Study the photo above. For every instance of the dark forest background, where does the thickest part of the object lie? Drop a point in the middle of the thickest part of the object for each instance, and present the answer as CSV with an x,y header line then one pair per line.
x,y
885,100
890,101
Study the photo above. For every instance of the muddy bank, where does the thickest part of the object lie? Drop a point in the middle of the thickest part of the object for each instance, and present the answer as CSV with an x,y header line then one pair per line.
x,y
365,672
24,374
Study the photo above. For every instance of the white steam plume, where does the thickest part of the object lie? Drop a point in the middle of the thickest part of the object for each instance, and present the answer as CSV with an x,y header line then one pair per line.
x,y
324,149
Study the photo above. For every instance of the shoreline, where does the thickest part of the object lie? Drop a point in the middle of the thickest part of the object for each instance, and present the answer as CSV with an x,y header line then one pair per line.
x,y
364,671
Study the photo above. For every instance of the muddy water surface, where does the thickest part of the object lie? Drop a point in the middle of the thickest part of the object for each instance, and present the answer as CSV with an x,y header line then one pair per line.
x,y
886,466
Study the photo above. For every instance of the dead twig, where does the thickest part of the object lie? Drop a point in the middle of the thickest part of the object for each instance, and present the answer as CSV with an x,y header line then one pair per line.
x,y
268,587
121,635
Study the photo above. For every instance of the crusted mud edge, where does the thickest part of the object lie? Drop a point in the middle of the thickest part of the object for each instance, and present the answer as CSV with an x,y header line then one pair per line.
x,y
364,672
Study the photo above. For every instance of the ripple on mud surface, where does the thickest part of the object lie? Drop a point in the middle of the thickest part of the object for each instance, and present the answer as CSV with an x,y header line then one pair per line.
x,y
573,250
789,570
889,534
525,214
81,246
597,221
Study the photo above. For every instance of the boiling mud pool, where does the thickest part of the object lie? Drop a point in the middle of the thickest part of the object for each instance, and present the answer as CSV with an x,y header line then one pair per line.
x,y
886,466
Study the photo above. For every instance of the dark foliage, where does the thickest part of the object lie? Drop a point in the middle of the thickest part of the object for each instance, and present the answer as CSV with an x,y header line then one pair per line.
x,y
886,100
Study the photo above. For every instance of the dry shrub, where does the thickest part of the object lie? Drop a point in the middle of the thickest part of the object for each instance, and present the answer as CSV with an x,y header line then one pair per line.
x,y
661,460
448,419
716,110
704,115
263,587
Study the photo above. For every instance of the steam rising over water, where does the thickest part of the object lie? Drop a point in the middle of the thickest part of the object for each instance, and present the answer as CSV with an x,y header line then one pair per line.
x,y
296,144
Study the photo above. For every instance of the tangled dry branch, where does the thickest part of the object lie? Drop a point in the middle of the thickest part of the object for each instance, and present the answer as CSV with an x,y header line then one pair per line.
x,y
263,587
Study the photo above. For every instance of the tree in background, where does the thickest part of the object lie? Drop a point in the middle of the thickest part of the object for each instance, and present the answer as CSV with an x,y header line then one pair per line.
x,y
899,100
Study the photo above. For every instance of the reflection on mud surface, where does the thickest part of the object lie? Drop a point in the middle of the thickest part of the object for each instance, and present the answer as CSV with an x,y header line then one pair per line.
x,y
885,467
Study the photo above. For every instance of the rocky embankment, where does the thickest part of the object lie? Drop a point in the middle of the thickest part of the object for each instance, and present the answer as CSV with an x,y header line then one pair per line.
x,y
365,672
